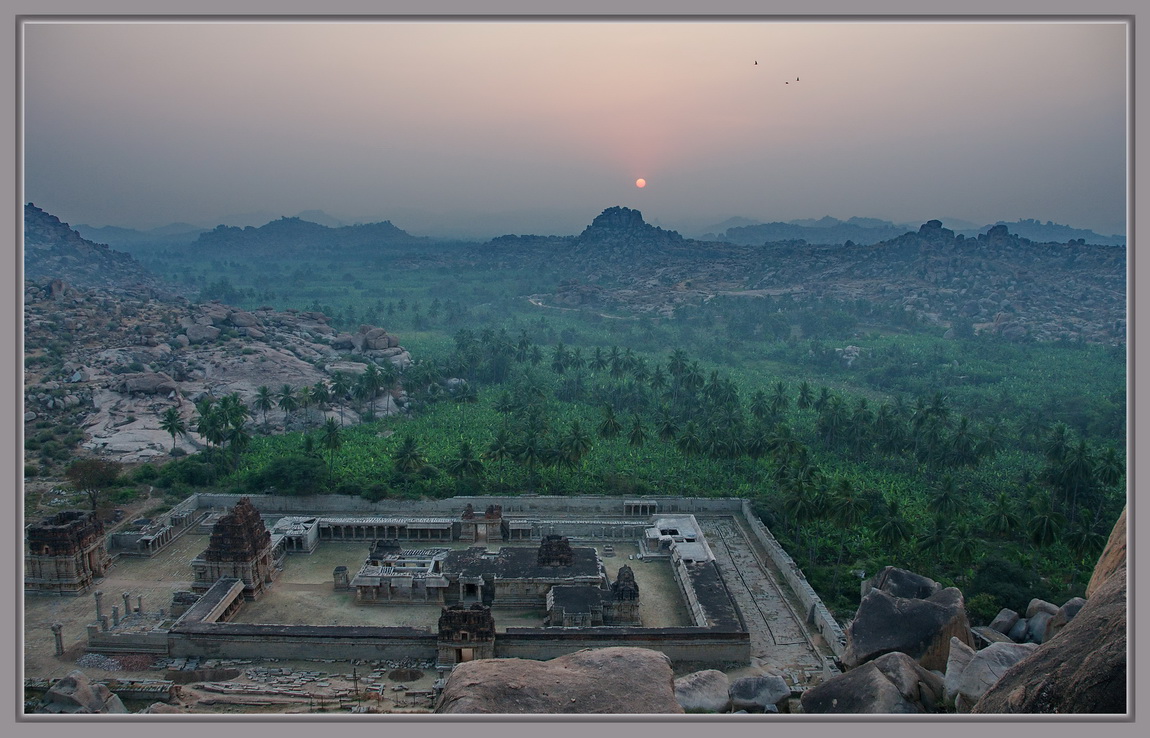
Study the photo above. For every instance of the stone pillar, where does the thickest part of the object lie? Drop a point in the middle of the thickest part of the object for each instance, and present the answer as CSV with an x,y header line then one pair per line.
x,y
57,632
162,613
99,601
115,615
127,603
93,629
104,623
140,604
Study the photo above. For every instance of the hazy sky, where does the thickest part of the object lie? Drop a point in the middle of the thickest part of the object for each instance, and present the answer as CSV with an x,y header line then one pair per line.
x,y
536,127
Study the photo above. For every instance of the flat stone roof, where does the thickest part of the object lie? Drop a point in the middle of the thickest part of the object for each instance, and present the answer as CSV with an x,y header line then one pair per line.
x,y
519,562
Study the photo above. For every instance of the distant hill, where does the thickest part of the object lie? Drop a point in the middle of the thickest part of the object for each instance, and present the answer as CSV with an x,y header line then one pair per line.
x,y
869,231
295,234
53,250
996,281
131,239
1049,232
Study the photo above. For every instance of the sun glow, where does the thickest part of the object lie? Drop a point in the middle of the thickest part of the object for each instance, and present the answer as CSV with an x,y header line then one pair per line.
x,y
640,183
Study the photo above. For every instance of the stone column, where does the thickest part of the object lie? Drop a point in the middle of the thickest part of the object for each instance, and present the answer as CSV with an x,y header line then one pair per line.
x,y
127,603
104,623
99,601
57,632
140,604
115,615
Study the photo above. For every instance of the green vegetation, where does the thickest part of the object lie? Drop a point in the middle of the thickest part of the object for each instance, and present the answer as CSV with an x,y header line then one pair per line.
x,y
998,467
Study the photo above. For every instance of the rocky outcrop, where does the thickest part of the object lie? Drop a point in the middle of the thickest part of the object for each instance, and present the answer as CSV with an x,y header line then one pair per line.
x,y
901,583
602,681
55,253
76,694
1113,556
920,628
984,668
759,693
124,358
704,691
891,684
1082,667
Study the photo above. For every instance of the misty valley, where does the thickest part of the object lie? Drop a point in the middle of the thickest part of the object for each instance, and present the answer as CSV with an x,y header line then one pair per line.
x,y
952,405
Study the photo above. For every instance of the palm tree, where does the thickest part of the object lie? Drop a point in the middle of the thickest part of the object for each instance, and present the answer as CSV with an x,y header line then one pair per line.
x,y
306,400
264,402
598,361
637,437
287,401
408,458
894,529
321,395
946,500
806,397
465,463
1046,522
779,401
576,442
340,387
848,508
173,424
610,426
759,405
331,440
1001,519
500,449
689,441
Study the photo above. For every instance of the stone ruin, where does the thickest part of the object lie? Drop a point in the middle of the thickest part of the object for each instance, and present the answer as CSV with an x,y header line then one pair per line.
x,y
240,547
555,550
66,553
465,634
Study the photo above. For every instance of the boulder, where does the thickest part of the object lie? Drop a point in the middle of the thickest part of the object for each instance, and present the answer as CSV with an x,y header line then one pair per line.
x,y
891,684
183,341
243,319
202,334
956,662
1004,620
920,628
147,383
900,583
704,691
758,693
374,340
985,668
1019,630
1036,627
1036,606
617,680
344,342
76,693
255,333
1082,669
1064,615
1113,556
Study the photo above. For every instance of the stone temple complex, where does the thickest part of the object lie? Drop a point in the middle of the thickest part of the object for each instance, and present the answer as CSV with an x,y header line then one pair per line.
x,y
531,559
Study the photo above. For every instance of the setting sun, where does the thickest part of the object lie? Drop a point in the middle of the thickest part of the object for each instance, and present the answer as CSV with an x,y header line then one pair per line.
x,y
640,183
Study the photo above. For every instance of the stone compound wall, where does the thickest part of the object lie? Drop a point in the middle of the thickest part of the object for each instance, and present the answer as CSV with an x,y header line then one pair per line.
x,y
519,506
817,613
688,648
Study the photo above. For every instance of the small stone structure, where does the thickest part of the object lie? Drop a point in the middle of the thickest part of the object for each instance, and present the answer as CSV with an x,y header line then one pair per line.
x,y
466,633
394,576
581,606
65,554
240,547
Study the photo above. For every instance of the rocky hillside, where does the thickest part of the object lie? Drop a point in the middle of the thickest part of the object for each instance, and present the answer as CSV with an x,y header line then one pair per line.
x,y
998,282
52,250
113,362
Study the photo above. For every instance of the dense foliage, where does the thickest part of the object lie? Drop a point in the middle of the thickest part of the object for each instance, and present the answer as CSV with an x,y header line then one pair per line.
x,y
863,438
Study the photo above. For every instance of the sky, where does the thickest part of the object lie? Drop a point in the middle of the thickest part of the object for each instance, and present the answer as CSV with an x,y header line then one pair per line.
x,y
491,127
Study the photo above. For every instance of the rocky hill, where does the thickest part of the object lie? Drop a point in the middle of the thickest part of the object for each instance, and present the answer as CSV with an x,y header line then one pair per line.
x,y
286,235
114,362
998,282
52,250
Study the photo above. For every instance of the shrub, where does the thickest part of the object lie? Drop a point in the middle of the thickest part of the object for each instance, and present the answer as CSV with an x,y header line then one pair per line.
x,y
31,470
